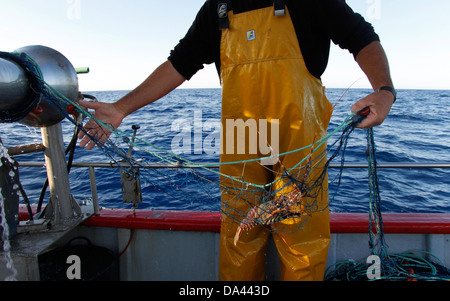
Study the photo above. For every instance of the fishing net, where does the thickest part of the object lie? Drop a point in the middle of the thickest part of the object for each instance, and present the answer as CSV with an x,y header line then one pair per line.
x,y
294,193
381,265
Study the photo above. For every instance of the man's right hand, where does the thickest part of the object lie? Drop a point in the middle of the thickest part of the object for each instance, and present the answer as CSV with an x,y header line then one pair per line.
x,y
163,80
105,112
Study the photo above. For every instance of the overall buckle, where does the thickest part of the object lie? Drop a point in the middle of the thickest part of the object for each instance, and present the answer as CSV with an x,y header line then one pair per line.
x,y
279,8
222,11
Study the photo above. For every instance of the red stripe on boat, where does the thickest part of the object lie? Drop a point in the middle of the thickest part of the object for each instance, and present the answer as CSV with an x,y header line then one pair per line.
x,y
204,221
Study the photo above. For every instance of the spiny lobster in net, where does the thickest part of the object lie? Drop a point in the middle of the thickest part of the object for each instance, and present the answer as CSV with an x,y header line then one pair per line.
x,y
283,206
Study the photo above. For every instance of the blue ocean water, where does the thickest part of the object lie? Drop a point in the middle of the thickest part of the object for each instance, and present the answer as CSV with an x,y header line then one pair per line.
x,y
416,131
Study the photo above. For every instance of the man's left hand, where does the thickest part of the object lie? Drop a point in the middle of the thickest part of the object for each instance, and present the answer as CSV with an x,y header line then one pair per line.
x,y
379,103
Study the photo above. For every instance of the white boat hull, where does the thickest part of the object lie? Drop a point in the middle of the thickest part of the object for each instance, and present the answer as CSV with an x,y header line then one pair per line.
x,y
184,246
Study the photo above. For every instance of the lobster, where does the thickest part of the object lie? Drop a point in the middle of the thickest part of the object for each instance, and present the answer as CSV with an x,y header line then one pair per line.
x,y
282,207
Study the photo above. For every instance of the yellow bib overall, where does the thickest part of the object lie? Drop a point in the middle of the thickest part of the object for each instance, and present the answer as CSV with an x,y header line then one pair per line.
x,y
264,77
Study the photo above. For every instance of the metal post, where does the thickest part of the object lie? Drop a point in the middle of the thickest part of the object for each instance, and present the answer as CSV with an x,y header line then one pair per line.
x,y
63,206
94,190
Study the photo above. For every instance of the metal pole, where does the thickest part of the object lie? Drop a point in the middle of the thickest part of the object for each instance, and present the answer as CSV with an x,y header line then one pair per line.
x,y
63,206
396,165
94,190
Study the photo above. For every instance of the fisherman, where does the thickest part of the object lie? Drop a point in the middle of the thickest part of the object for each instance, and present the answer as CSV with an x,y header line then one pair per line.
x,y
270,56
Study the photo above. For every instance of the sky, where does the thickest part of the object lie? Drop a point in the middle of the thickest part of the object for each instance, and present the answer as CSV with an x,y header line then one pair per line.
x,y
122,42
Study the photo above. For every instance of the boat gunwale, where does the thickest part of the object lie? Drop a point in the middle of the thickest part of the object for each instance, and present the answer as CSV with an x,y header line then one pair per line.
x,y
208,221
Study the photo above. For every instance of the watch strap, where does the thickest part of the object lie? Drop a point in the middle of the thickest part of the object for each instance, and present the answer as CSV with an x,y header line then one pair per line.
x,y
390,89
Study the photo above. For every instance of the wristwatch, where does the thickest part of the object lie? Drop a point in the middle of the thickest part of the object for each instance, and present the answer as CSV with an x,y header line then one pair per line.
x,y
390,89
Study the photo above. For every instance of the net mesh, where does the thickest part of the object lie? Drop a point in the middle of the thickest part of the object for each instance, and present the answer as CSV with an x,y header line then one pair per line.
x,y
294,194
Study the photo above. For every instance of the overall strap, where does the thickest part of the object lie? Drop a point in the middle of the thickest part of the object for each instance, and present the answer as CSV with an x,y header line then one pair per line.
x,y
225,6
279,8
222,10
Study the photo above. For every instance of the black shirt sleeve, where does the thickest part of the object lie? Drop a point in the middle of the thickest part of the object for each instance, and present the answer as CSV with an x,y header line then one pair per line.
x,y
317,22
201,45
346,28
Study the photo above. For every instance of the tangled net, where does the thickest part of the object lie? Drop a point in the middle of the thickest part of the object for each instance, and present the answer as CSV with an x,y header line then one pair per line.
x,y
157,165
296,197
409,266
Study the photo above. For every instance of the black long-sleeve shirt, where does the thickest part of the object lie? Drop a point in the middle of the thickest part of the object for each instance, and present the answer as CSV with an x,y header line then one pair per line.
x,y
316,22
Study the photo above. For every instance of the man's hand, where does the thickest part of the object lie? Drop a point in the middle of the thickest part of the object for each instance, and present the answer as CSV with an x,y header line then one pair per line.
x,y
105,112
379,103
162,81
374,63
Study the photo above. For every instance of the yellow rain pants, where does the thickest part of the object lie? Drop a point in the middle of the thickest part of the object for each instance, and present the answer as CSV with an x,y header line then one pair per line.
x,y
264,77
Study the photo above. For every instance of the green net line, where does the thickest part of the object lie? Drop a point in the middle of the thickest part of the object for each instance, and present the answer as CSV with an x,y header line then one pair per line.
x,y
241,188
186,163
395,267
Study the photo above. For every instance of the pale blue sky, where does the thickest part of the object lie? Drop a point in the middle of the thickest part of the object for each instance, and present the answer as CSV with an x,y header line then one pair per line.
x,y
123,41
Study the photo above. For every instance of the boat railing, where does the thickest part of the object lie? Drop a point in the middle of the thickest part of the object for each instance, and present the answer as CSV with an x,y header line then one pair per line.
x,y
93,165
382,165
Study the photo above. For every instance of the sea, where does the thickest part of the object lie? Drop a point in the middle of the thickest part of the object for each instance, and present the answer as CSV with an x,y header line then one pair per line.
x,y
416,131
